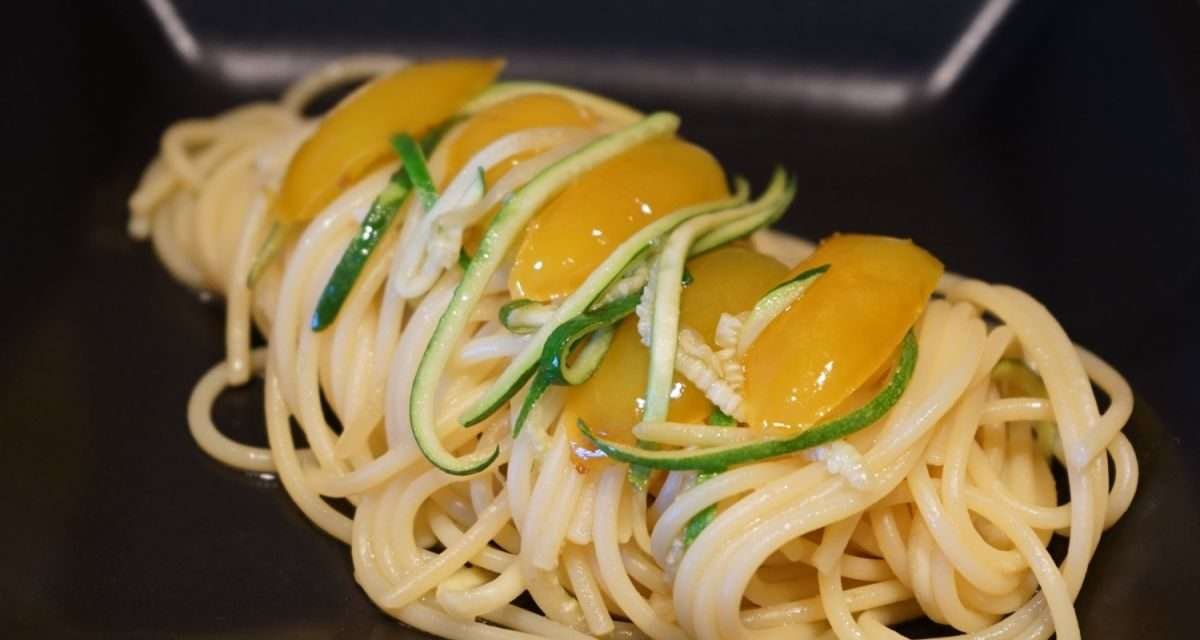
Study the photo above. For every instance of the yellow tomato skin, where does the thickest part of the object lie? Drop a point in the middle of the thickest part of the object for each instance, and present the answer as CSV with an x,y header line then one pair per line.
x,y
835,337
577,230
354,138
726,280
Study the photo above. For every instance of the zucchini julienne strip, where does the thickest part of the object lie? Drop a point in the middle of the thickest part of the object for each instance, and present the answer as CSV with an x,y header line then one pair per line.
x,y
553,368
701,520
698,523
383,210
743,227
718,418
418,172
276,236
613,267
686,278
497,240
589,357
361,246
514,315
464,258
719,458
775,302
1017,375
786,290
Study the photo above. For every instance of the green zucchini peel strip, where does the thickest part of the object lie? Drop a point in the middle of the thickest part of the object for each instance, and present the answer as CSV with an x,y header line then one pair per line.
x,y
701,520
775,302
553,368
276,237
376,223
698,524
1017,375
514,315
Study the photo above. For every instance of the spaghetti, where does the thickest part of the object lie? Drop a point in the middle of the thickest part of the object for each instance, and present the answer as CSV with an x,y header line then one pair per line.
x,y
943,508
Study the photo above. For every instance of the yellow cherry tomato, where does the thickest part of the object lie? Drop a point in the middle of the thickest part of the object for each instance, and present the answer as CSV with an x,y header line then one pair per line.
x,y
355,137
835,337
577,230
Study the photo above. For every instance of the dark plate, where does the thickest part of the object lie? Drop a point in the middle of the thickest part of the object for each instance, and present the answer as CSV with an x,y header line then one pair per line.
x,y
1048,145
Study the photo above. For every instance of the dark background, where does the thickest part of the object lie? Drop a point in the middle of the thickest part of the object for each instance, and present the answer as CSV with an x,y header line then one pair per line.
x,y
1061,157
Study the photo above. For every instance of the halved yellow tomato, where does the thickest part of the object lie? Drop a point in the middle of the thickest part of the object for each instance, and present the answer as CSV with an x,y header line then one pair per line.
x,y
727,280
846,326
354,138
577,230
